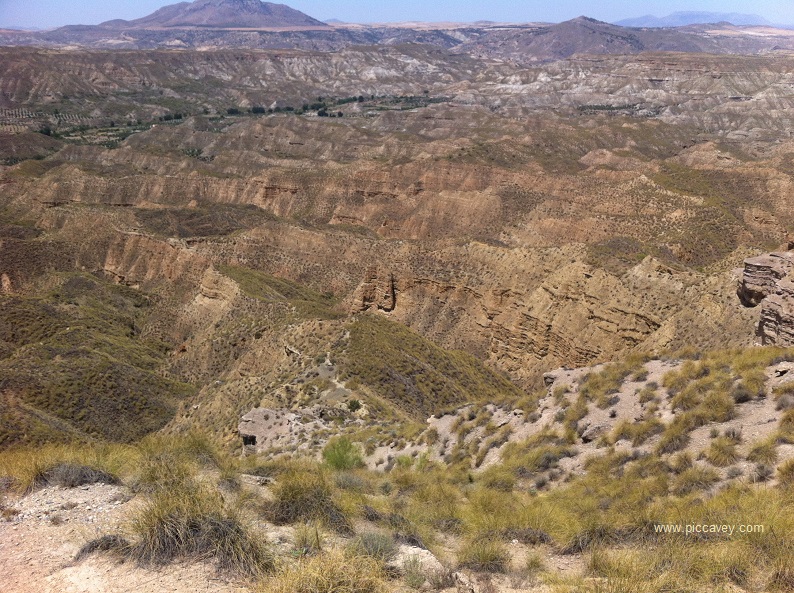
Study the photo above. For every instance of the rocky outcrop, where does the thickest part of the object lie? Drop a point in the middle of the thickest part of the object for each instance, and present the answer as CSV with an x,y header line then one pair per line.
x,y
377,291
761,275
265,428
776,325
766,282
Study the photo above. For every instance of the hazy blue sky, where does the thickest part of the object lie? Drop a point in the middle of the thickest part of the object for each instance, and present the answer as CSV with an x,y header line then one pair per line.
x,y
51,13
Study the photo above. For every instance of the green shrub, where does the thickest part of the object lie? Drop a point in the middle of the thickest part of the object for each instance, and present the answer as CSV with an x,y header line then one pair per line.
x,y
342,454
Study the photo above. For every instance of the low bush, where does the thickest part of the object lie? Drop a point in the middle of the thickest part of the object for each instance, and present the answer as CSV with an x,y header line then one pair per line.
x,y
342,454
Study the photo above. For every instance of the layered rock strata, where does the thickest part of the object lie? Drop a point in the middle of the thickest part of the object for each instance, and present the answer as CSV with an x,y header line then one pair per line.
x,y
766,282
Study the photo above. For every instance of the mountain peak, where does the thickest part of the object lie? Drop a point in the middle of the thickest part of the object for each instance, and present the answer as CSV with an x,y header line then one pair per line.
x,y
224,14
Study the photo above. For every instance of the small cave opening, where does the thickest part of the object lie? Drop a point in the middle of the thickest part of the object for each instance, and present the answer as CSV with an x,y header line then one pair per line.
x,y
249,440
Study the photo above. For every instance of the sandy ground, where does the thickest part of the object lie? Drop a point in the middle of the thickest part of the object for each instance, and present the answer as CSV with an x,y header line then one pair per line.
x,y
38,545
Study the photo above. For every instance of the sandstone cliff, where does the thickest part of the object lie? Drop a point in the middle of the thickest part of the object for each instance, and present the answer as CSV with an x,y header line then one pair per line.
x,y
766,282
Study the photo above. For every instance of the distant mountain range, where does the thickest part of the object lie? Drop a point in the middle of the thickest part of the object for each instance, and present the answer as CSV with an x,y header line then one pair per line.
x,y
682,19
263,25
223,14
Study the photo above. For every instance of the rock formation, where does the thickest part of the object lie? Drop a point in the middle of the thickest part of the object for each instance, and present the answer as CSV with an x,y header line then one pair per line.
x,y
766,282
761,276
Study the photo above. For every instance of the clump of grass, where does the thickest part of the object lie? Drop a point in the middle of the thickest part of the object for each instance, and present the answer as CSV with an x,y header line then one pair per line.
x,y
600,386
169,462
436,502
675,437
763,452
305,494
647,394
308,539
414,572
26,469
375,544
333,571
785,432
694,478
785,473
342,454
761,473
194,523
681,462
71,475
722,452
351,482
637,432
498,477
534,564
105,543
484,555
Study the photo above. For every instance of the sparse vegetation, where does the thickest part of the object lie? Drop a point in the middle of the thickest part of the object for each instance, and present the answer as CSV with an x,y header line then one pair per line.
x,y
415,374
184,248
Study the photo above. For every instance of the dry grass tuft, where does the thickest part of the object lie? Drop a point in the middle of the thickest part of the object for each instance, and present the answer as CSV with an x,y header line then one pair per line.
x,y
105,543
194,523
330,572
484,555
305,494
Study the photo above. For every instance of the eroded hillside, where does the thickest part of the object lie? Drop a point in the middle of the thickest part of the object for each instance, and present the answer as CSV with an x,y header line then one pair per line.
x,y
560,215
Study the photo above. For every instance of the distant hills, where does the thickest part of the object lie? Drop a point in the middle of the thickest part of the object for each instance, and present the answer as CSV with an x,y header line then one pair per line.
x,y
685,18
584,35
253,24
224,14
